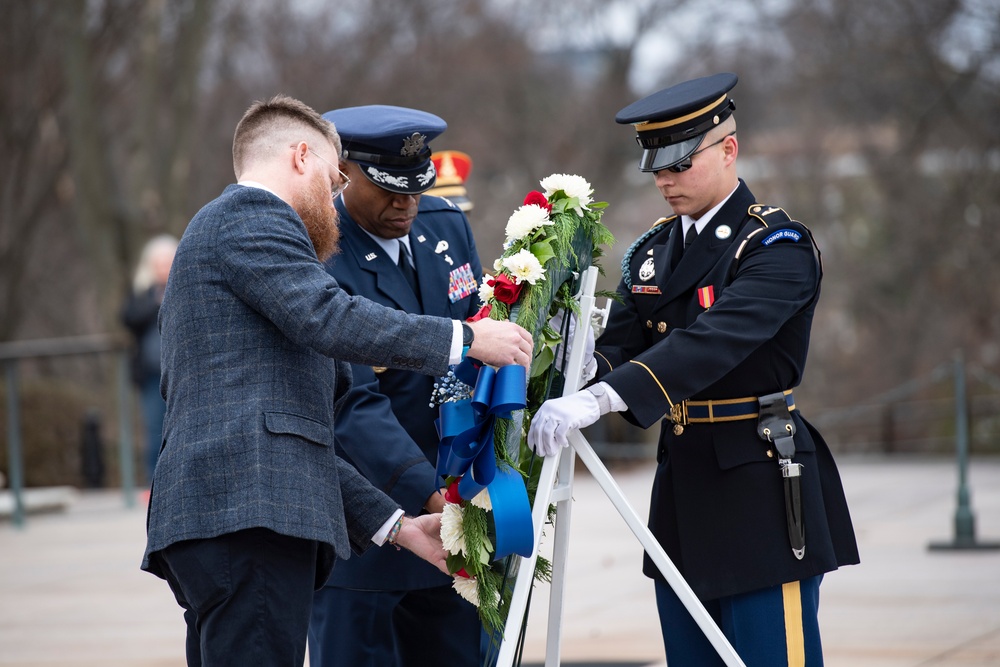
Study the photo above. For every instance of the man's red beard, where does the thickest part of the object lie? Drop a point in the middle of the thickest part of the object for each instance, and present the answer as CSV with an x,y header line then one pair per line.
x,y
316,209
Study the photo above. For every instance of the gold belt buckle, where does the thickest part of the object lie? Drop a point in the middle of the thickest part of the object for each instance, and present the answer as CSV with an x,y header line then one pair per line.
x,y
679,416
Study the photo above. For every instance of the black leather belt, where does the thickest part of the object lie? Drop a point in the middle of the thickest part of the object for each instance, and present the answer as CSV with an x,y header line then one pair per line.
x,y
724,410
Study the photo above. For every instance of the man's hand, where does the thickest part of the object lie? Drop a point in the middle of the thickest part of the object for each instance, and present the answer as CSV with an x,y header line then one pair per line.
x,y
435,504
422,536
557,417
500,343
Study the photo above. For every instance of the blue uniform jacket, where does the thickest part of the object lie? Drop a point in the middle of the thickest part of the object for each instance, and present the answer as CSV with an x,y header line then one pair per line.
x,y
701,325
386,428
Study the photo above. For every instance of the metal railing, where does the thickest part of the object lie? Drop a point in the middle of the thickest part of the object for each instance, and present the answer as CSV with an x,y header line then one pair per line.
x,y
11,354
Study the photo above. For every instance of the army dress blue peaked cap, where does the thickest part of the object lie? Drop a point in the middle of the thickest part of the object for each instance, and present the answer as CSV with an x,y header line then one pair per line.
x,y
671,123
390,144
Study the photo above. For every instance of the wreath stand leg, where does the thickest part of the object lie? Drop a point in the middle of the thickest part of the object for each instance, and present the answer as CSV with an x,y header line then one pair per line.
x,y
555,486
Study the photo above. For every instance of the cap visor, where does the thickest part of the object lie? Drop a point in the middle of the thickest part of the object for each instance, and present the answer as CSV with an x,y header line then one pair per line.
x,y
655,159
401,181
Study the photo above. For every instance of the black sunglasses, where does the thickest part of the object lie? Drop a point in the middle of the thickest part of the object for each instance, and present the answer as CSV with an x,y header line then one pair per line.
x,y
685,164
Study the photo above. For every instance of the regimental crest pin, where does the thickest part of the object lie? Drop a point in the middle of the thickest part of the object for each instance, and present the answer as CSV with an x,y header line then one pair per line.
x,y
647,271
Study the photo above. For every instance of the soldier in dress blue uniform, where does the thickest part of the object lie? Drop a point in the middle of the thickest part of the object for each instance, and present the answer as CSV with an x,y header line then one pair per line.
x,y
416,253
711,340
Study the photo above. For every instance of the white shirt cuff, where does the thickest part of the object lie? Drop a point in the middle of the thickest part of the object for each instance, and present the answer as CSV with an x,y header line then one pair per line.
x,y
380,537
617,404
455,355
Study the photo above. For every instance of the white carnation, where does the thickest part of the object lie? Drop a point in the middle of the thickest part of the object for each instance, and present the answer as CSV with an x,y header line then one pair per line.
x,y
486,290
482,500
452,530
573,186
524,266
525,220
467,588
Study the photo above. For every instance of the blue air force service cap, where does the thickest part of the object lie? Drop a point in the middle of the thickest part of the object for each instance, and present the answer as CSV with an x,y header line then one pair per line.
x,y
390,144
671,123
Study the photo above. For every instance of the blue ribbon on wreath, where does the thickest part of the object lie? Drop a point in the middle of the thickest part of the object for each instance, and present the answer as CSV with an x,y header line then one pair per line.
x,y
466,450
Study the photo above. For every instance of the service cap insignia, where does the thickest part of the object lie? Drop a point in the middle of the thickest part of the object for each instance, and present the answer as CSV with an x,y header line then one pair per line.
x,y
413,144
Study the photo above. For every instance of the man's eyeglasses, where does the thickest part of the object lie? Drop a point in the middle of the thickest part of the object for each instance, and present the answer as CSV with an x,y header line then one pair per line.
x,y
686,163
338,189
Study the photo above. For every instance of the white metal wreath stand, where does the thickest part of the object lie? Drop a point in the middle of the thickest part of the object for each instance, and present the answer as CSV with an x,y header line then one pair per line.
x,y
556,486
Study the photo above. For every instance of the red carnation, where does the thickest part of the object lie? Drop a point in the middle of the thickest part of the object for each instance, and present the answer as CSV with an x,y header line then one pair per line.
x,y
538,199
452,495
505,290
483,313
462,573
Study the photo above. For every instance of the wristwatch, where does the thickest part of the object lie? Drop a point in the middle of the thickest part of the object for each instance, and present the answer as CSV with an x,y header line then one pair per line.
x,y
468,335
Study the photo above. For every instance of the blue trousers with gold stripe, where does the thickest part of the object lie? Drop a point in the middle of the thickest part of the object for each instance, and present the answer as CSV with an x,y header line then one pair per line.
x,y
773,627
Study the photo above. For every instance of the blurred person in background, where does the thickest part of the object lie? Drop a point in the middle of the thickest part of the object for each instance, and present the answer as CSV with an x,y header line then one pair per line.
x,y
409,250
142,307
453,169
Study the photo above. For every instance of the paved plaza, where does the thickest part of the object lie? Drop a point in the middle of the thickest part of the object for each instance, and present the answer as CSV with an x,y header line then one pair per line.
x,y
72,594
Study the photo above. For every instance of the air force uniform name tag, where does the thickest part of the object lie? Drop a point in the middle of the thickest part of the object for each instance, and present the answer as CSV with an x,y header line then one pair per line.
x,y
461,283
647,271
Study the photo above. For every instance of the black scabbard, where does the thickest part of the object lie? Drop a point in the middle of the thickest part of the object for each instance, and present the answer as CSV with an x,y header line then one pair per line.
x,y
792,474
775,425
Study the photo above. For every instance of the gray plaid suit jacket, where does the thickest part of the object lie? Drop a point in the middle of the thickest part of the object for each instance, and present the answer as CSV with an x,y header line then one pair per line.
x,y
252,325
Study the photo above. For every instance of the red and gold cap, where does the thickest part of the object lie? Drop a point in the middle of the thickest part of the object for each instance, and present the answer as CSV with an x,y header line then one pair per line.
x,y
453,169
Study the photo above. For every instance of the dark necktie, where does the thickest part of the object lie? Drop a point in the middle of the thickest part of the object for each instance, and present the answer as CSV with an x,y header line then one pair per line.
x,y
690,236
405,265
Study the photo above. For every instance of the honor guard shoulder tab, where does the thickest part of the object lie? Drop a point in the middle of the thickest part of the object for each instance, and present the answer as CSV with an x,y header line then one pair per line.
x,y
627,259
765,215
777,220
777,228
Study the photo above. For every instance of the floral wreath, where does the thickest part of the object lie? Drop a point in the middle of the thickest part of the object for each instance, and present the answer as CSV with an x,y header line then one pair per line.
x,y
550,241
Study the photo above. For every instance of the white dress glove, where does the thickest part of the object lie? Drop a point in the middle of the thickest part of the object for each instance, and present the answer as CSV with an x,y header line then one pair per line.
x,y
557,417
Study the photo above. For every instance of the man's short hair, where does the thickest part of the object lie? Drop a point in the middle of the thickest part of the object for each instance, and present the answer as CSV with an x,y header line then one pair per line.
x,y
269,126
